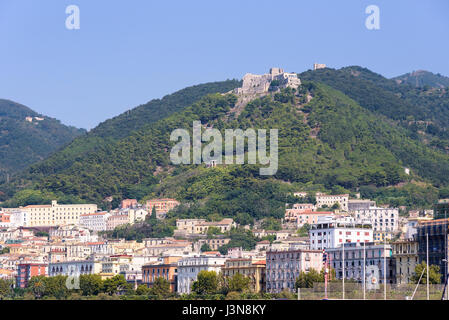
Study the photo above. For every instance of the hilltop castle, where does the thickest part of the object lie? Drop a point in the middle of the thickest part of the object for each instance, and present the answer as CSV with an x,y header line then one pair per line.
x,y
255,83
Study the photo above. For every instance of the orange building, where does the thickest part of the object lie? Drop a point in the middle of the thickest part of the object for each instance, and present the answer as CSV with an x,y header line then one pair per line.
x,y
25,271
5,217
167,269
161,205
128,203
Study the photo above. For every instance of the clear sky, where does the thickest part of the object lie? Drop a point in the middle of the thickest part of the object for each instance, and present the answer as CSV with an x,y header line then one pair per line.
x,y
129,52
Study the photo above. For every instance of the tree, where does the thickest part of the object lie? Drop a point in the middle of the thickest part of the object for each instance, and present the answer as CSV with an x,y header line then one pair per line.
x,y
243,219
36,285
6,288
271,224
304,230
239,283
434,274
161,288
306,280
91,284
206,283
205,247
143,290
153,213
116,284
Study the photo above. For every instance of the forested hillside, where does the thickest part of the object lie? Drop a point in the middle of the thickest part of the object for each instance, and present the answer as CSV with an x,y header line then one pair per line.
x,y
330,143
23,142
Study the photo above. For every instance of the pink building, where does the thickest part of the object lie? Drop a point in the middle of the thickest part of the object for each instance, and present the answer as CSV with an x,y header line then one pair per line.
x,y
161,205
116,220
303,216
128,203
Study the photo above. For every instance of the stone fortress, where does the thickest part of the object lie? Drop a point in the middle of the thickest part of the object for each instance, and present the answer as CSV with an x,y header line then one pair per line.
x,y
255,83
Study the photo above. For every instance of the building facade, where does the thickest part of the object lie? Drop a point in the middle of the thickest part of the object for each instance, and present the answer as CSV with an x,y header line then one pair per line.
x,y
166,268
188,269
405,254
360,260
253,269
284,267
25,271
55,214
94,221
332,233
325,200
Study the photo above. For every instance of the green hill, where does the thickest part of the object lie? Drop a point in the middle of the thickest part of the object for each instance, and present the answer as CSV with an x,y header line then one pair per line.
x,y
332,143
422,111
22,142
423,78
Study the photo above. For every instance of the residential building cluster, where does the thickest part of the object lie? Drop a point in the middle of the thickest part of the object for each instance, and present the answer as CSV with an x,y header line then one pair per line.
x,y
360,240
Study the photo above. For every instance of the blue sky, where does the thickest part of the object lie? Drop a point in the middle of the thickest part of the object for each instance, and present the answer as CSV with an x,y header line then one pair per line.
x,y
129,52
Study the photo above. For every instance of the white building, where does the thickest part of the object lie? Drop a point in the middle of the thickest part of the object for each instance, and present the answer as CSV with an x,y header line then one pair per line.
x,y
74,268
188,269
332,233
384,220
94,221
53,214
323,200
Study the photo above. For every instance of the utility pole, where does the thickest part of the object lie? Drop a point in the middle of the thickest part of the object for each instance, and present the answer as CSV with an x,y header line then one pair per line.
x,y
427,241
385,270
325,260
344,274
364,269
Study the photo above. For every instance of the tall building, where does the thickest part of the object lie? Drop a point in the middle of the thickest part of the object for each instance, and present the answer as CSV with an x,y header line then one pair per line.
x,y
385,221
405,254
441,209
25,271
331,233
284,267
437,232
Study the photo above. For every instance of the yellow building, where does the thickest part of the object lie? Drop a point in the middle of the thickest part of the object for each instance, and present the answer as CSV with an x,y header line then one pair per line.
x,y
255,270
56,214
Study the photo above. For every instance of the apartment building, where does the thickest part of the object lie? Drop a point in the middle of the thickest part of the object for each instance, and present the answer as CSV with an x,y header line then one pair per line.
x,y
437,232
53,214
166,268
283,267
359,204
252,268
94,221
324,200
188,269
224,225
385,221
74,268
300,218
162,206
405,254
331,233
361,260
128,203
25,271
